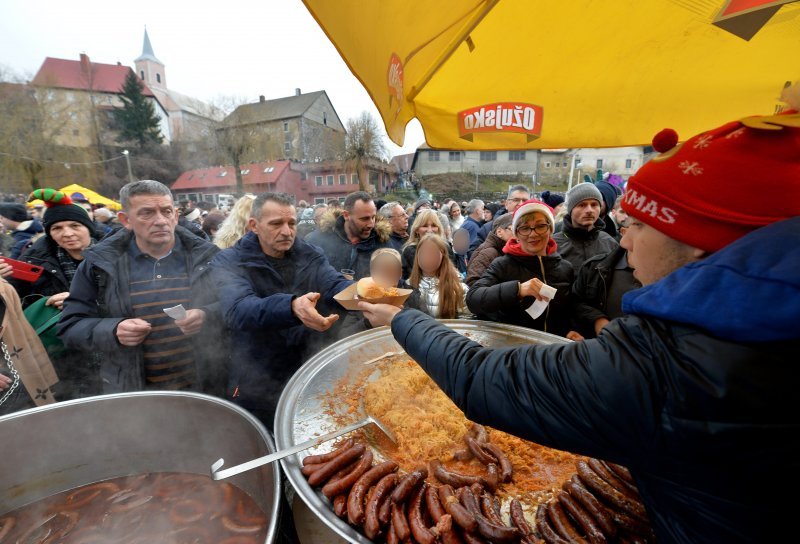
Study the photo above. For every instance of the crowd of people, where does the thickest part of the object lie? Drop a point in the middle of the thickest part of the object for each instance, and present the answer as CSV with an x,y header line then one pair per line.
x,y
257,283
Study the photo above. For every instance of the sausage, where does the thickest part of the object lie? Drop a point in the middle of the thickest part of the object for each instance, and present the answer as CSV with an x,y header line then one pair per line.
x,y
562,523
544,528
631,525
419,531
470,538
622,472
382,490
454,479
400,521
385,510
492,479
593,506
331,467
327,457
608,493
487,507
477,450
629,485
611,479
584,520
506,470
487,529
478,431
407,484
446,532
355,501
391,535
462,455
343,485
308,470
518,520
433,504
340,505
459,514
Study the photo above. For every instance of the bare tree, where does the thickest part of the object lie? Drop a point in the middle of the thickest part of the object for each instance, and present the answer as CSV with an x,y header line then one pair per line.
x,y
364,140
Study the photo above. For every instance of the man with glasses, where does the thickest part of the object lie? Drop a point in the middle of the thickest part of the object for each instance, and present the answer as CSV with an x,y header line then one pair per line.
x,y
394,213
516,196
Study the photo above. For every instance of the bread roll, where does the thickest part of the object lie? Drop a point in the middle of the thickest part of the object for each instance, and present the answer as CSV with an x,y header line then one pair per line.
x,y
368,289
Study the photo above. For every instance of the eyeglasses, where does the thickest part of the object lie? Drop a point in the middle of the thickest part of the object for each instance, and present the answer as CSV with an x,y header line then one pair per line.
x,y
525,230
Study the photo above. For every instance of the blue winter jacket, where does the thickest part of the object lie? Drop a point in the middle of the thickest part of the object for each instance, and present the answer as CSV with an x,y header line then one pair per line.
x,y
268,342
695,391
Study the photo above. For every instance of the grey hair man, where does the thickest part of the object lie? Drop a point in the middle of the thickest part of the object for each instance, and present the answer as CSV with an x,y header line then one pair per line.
x,y
474,221
517,194
396,216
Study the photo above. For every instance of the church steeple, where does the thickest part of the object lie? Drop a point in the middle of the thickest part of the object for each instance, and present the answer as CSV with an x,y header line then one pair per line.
x,y
149,68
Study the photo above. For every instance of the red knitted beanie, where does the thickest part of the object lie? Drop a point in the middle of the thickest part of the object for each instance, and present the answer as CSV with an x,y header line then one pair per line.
x,y
721,184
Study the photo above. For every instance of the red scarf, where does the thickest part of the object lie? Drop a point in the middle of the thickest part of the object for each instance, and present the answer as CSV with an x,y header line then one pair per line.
x,y
513,247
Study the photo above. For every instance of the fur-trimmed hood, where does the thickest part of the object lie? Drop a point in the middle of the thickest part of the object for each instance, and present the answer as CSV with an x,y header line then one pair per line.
x,y
330,223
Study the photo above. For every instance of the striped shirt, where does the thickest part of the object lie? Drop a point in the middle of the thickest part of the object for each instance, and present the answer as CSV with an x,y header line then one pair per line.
x,y
156,284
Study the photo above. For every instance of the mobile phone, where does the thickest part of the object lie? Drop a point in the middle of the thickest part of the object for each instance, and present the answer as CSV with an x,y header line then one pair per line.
x,y
23,271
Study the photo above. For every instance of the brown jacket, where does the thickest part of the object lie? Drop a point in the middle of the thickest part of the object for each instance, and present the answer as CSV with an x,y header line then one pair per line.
x,y
26,351
483,256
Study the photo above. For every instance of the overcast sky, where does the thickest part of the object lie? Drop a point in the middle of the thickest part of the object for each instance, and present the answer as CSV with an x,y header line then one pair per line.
x,y
241,48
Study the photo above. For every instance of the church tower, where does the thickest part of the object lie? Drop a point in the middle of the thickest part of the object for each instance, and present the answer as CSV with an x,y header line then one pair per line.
x,y
149,68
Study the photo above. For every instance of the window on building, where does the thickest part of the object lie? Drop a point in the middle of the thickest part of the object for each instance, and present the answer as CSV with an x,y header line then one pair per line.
x,y
318,180
354,179
245,172
455,156
287,148
628,164
488,155
286,127
142,74
222,174
342,179
330,180
325,118
547,165
319,201
433,156
269,169
516,155
158,78
599,163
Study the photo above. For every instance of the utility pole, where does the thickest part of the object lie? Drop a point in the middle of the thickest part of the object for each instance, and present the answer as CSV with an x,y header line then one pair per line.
x,y
572,168
128,160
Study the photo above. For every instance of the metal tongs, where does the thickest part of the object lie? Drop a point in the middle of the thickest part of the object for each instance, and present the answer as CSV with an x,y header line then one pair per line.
x,y
218,474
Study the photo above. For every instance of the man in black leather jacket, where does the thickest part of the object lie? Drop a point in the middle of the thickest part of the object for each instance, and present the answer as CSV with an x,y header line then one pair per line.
x,y
695,389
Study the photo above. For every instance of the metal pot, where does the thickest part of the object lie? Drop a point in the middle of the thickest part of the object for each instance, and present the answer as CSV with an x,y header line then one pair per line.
x,y
61,446
300,415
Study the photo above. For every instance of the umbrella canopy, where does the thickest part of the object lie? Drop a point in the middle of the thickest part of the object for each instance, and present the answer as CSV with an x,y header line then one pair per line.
x,y
91,196
519,74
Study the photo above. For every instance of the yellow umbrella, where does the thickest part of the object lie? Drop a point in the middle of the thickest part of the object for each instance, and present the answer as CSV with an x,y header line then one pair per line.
x,y
517,74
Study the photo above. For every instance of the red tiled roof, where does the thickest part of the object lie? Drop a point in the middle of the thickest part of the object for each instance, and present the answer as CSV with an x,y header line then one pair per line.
x,y
205,178
71,74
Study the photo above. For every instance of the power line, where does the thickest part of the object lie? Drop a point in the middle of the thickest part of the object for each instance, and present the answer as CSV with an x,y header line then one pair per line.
x,y
65,163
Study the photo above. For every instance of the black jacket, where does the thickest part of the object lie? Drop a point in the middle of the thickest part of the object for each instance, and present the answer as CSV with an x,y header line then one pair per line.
x,y
494,295
699,403
578,245
99,299
591,288
332,239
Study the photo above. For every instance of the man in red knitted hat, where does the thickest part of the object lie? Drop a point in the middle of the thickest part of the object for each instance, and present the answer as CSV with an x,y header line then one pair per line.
x,y
694,391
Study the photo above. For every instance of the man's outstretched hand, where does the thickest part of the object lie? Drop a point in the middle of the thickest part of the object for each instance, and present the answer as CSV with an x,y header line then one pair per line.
x,y
379,315
305,309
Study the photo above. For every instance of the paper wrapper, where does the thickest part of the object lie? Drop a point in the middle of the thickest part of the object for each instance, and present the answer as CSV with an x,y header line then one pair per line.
x,y
349,300
537,308
176,312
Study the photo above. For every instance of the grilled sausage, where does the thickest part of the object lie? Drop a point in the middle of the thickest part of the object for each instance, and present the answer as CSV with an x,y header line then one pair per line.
x,y
408,484
608,493
478,431
543,526
382,490
594,533
433,504
611,479
454,479
518,520
331,467
595,508
477,450
629,485
459,514
487,507
343,485
330,456
631,525
400,521
445,530
355,501
416,522
340,505
308,470
391,535
622,472
462,455
487,529
492,479
506,470
385,510
562,523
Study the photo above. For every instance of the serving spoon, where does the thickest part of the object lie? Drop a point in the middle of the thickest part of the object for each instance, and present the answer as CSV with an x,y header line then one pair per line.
x,y
218,474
